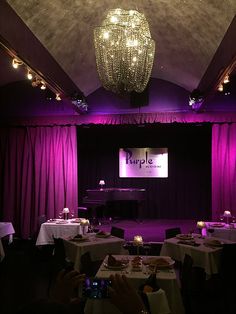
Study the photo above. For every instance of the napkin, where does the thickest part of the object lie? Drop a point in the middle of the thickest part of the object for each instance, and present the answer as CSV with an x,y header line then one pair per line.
x,y
158,302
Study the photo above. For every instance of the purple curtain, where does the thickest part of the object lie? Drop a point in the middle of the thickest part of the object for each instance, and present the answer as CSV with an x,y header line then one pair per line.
x,y
38,174
223,169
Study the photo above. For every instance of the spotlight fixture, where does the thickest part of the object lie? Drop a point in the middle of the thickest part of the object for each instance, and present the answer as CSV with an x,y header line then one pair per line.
x,y
58,97
29,75
226,79
220,88
16,62
80,103
43,85
195,99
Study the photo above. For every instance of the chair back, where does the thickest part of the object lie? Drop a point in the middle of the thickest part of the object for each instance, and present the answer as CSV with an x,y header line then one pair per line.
x,y
59,254
228,262
172,232
118,232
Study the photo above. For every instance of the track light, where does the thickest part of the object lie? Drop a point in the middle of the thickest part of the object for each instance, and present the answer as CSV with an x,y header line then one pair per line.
x,y
195,99
43,85
16,63
58,97
226,79
220,88
29,75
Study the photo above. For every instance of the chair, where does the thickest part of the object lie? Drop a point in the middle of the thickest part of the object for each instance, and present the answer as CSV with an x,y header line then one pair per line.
x,y
194,291
172,232
87,266
118,232
83,212
155,248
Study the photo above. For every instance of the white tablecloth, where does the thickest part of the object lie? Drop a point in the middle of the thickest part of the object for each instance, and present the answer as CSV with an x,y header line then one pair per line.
x,y
6,229
56,229
166,280
227,232
98,248
203,256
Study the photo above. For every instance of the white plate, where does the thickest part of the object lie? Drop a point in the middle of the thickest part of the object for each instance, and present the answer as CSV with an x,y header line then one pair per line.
x,y
62,222
120,267
107,235
213,244
184,236
217,225
154,262
79,239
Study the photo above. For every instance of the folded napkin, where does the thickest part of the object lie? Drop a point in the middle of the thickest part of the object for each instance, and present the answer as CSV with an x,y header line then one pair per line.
x,y
158,302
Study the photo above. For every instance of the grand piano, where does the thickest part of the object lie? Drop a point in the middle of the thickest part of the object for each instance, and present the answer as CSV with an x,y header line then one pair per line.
x,y
106,196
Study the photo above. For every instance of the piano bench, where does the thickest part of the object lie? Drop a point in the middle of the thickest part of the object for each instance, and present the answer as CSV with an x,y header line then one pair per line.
x,y
83,212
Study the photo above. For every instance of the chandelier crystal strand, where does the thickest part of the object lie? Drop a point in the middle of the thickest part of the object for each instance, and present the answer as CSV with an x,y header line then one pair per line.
x,y
124,51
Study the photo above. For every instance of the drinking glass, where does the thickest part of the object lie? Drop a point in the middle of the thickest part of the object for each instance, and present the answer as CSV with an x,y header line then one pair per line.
x,y
60,215
211,231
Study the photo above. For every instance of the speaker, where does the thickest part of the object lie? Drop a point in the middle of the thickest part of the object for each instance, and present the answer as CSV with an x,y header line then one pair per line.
x,y
139,99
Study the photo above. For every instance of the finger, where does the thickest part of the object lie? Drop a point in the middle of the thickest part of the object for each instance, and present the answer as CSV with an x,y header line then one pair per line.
x,y
71,274
61,275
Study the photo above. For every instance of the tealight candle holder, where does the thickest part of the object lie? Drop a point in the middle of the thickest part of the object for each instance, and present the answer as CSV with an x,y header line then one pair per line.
x,y
65,213
201,225
84,223
227,215
138,241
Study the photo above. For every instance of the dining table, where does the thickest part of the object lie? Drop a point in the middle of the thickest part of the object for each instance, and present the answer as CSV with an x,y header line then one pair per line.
x,y
59,228
220,230
202,250
97,246
167,300
6,229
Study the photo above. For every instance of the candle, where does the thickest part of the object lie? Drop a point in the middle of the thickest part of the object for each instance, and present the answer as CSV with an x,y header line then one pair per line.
x,y
84,222
201,224
138,240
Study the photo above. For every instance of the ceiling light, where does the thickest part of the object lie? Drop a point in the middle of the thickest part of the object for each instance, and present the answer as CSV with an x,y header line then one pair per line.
x,y
43,85
124,51
16,62
220,88
226,79
58,97
29,75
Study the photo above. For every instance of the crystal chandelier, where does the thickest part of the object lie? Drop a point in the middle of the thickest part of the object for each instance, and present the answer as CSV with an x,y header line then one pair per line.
x,y
124,51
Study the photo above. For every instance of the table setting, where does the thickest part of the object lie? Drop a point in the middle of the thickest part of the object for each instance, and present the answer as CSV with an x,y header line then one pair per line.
x,y
137,269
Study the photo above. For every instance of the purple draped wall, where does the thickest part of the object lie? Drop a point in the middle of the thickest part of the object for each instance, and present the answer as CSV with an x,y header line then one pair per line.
x,y
38,174
223,169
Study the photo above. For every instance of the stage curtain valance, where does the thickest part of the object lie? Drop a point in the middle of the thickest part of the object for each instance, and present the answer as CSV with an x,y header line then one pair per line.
x,y
118,119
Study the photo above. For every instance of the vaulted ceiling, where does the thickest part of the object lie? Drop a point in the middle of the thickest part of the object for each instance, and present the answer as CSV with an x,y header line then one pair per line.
x,y
195,39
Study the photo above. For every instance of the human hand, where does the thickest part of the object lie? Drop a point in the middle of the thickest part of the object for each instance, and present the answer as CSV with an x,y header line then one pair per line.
x,y
66,285
124,296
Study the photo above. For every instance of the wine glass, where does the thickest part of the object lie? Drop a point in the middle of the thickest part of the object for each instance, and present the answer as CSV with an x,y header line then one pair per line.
x,y
72,215
60,215
211,231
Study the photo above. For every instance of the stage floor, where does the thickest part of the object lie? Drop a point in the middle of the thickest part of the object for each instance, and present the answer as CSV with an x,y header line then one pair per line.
x,y
149,229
